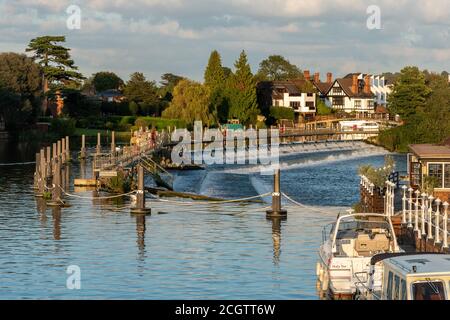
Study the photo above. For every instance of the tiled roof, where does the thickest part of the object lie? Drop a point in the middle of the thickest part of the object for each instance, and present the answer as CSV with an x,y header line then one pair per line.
x,y
346,84
431,150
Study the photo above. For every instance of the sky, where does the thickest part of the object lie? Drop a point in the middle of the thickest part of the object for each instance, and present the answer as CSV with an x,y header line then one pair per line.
x,y
177,36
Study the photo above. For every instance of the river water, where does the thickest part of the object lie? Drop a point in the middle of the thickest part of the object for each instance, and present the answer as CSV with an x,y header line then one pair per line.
x,y
183,250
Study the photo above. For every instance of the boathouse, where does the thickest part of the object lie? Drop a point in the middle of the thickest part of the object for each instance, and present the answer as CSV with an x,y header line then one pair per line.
x,y
430,160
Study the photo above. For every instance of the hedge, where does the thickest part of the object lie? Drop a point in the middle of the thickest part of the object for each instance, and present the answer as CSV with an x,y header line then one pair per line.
x,y
279,113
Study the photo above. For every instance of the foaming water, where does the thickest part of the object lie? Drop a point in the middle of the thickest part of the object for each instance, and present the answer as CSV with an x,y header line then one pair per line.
x,y
181,251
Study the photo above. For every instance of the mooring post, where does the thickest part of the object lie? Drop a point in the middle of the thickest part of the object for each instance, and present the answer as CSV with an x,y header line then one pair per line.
x,y
99,146
56,191
42,172
67,149
276,210
83,147
63,150
36,171
49,166
140,195
113,144
58,150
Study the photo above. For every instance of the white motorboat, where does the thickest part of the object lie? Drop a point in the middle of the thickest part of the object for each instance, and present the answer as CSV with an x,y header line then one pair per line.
x,y
348,245
406,276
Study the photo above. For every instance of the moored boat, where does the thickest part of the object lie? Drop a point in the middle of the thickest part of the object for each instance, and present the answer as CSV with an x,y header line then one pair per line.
x,y
348,245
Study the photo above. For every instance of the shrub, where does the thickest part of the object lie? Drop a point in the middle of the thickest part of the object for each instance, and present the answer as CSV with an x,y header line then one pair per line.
x,y
63,126
279,113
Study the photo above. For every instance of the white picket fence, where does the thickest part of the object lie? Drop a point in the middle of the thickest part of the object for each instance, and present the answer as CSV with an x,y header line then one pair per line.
x,y
426,214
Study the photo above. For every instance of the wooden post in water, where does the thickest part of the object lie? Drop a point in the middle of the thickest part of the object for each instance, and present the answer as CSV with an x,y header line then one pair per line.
x,y
83,147
140,195
276,210
49,166
42,173
113,144
63,151
99,146
36,171
67,149
56,181
58,150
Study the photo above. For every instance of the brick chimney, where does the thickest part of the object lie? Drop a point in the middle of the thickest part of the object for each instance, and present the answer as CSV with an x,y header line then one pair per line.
x,y
367,84
355,84
306,75
317,77
329,77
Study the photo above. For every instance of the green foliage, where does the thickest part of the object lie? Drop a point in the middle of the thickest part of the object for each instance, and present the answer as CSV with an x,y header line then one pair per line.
x,y
77,105
429,183
278,113
277,67
158,123
134,108
105,80
141,91
409,94
20,87
322,108
168,83
63,126
242,92
191,102
58,67
214,75
428,124
378,176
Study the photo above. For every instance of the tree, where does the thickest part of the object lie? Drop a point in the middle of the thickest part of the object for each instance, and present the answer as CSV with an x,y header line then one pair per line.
x,y
409,94
20,85
143,92
168,83
58,68
134,108
106,80
191,102
214,73
277,67
242,92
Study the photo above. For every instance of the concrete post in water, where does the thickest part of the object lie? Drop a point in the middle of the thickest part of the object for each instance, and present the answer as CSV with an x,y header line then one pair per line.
x,y
410,190
83,147
445,232
416,213
430,217
276,210
99,146
424,209
67,149
436,222
140,195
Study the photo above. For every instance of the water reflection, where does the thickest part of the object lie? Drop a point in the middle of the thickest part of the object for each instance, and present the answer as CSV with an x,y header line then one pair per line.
x,y
276,238
140,232
56,213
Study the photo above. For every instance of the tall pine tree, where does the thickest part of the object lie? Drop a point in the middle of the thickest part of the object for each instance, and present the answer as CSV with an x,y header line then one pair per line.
x,y
215,81
242,90
58,68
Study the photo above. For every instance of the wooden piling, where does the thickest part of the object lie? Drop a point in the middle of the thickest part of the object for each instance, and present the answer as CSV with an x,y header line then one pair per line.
x,y
67,149
36,171
99,146
83,147
276,211
56,182
63,151
140,195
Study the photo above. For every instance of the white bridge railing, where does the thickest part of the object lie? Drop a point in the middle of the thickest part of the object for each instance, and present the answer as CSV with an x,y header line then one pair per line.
x,y
426,215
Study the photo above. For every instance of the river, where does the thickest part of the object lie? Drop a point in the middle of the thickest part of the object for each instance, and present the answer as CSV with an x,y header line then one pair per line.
x,y
183,250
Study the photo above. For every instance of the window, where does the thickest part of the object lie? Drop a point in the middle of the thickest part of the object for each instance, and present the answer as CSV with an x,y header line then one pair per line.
x,y
415,174
430,290
309,94
447,175
357,104
295,104
338,101
389,286
337,90
396,288
382,97
437,170
403,290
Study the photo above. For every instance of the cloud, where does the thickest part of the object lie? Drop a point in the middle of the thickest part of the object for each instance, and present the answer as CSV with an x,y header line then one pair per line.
x,y
177,36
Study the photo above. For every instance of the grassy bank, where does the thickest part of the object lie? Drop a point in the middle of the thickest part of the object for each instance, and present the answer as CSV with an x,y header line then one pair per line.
x,y
122,135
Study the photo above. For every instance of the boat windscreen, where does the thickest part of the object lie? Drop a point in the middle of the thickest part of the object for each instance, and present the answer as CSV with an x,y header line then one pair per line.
x,y
363,225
